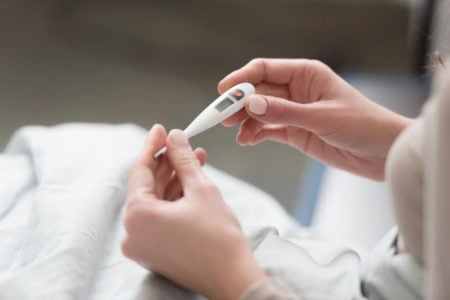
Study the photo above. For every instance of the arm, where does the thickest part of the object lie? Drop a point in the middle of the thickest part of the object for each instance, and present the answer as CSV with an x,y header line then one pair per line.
x,y
189,236
269,289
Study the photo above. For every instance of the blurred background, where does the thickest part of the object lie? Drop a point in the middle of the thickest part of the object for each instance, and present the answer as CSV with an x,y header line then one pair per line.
x,y
160,61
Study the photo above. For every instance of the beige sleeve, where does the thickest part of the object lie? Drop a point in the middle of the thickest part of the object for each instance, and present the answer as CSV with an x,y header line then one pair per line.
x,y
271,289
437,193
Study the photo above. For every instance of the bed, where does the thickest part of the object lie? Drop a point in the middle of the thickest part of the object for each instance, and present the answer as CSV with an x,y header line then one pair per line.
x,y
62,191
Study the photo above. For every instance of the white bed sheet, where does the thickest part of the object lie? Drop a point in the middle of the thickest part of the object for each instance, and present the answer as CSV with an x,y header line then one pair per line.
x,y
62,191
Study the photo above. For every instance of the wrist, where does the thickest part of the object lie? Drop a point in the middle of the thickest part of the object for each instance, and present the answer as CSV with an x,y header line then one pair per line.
x,y
400,123
237,273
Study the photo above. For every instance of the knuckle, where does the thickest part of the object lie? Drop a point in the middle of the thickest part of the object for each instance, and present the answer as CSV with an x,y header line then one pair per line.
x,y
257,65
132,220
186,159
315,65
283,114
256,61
197,188
139,216
126,248
209,186
133,200
206,187
278,112
151,264
316,62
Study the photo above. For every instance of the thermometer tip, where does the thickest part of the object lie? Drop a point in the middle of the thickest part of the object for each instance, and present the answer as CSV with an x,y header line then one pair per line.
x,y
160,152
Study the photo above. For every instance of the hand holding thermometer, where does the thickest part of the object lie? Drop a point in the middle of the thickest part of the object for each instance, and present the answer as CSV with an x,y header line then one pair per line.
x,y
220,109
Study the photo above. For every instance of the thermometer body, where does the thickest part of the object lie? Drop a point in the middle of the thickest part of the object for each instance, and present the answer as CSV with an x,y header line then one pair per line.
x,y
226,105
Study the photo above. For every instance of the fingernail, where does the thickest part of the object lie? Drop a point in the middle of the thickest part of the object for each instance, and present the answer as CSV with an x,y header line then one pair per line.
x,y
178,137
258,105
151,130
239,140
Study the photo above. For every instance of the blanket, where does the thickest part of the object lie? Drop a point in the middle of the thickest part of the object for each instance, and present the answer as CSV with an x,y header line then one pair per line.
x,y
62,193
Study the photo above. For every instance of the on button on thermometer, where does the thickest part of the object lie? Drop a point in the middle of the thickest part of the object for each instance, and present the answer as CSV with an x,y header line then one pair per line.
x,y
220,109
238,94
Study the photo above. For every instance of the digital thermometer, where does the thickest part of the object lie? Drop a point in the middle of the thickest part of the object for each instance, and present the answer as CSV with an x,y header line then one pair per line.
x,y
220,109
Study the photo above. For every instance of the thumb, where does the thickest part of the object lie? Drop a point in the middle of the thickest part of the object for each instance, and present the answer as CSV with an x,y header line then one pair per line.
x,y
274,110
183,159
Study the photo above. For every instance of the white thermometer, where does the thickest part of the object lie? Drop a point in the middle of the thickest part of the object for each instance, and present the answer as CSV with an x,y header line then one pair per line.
x,y
220,109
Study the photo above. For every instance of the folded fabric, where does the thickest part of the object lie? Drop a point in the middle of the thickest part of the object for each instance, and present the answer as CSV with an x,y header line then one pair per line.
x,y
62,191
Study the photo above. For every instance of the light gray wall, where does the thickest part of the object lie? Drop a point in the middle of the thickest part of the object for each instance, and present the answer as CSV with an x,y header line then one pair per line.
x,y
159,61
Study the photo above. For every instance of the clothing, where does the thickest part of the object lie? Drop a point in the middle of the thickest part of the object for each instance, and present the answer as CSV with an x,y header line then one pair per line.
x,y
62,193
270,289
418,172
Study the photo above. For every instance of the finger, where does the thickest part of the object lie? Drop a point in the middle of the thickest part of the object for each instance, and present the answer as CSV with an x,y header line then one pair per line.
x,y
304,141
280,91
277,133
275,71
141,177
298,138
269,89
183,159
236,118
201,155
249,128
163,174
156,139
174,189
132,249
274,110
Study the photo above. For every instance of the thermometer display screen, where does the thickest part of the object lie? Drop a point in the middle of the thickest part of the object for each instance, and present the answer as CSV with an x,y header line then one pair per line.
x,y
224,104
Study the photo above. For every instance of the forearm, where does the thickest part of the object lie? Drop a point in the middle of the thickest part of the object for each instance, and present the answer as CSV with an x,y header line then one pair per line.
x,y
268,289
243,279
236,273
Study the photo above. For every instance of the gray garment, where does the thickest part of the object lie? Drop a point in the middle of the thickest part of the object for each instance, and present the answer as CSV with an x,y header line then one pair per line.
x,y
314,270
418,171
306,268
388,275
419,174
271,289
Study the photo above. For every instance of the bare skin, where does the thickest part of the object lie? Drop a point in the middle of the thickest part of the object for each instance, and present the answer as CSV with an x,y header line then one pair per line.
x,y
177,222
304,104
178,225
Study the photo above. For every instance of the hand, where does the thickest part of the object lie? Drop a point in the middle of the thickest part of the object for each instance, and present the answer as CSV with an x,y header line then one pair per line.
x,y
194,240
304,104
